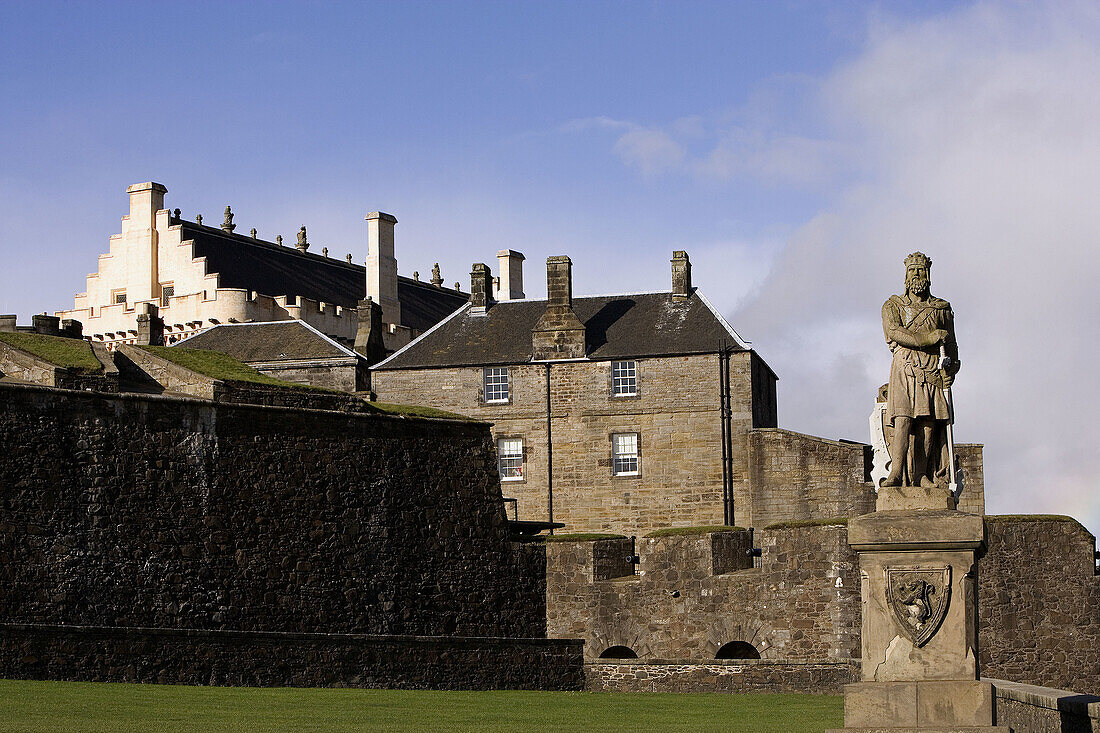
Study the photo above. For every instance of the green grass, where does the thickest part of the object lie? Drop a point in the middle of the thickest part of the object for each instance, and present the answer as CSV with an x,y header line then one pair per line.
x,y
678,531
581,537
75,354
417,411
831,521
112,708
217,365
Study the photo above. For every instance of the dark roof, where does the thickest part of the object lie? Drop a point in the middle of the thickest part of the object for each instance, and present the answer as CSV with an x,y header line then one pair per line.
x,y
264,342
616,327
268,269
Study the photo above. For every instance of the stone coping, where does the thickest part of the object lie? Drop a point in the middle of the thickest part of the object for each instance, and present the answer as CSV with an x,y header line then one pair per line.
x,y
180,400
656,662
1048,697
236,634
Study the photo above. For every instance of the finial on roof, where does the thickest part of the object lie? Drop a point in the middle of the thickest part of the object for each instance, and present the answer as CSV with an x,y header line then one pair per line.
x,y
349,258
303,243
324,251
437,279
176,213
252,231
279,240
458,286
228,225
416,276
198,218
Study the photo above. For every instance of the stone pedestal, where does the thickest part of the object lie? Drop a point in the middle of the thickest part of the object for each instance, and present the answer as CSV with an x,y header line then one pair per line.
x,y
919,581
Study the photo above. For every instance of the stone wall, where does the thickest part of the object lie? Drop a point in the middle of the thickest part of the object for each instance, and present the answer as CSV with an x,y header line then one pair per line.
x,y
1037,709
131,511
676,414
265,659
800,604
1039,603
719,675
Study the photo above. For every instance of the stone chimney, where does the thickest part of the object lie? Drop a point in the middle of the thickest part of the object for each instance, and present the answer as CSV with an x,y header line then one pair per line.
x,y
7,323
142,241
368,339
150,326
511,275
146,199
72,328
559,334
481,285
681,274
382,265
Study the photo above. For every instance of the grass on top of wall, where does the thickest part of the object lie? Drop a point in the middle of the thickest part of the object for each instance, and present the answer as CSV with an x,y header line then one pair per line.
x,y
417,411
679,531
92,707
217,365
75,354
581,537
828,522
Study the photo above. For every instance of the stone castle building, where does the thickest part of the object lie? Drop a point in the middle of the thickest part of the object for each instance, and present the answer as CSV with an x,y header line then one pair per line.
x,y
200,276
628,413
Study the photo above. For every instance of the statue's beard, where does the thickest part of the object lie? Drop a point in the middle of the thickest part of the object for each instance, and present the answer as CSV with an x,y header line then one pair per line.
x,y
918,285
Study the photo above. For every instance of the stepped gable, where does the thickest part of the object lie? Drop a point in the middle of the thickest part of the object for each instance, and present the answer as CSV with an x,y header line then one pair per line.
x,y
627,326
269,269
276,341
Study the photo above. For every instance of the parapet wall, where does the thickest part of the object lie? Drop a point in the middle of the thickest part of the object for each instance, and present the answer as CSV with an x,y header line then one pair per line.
x,y
1039,603
124,511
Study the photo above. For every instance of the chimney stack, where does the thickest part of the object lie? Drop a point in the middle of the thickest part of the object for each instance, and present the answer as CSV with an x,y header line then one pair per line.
x,y
511,275
368,338
681,274
150,326
559,334
480,286
46,325
382,264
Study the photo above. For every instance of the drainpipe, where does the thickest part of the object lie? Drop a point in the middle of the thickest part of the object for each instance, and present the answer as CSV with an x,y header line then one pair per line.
x,y
727,433
549,456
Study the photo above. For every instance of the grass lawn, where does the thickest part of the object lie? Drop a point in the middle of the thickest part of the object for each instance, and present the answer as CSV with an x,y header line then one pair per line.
x,y
72,353
96,708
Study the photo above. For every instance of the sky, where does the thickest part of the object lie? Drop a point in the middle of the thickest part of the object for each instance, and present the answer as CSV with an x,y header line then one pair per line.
x,y
797,150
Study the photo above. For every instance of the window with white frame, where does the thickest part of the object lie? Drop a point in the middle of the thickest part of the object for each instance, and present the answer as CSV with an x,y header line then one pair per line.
x,y
624,454
624,378
510,459
496,384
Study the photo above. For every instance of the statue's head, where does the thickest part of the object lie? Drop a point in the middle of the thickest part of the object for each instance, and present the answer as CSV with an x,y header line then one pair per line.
x,y
918,273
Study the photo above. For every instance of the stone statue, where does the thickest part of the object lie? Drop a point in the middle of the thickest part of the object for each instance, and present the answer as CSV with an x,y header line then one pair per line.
x,y
437,278
228,225
303,243
252,232
279,240
198,219
920,330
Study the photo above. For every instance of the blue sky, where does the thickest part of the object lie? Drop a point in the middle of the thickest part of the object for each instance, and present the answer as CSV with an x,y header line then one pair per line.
x,y
797,150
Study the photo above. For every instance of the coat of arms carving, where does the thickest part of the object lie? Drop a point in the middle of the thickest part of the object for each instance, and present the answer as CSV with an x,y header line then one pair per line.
x,y
918,598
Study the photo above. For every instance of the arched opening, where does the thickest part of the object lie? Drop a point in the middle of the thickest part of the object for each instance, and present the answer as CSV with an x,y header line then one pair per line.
x,y
618,652
737,650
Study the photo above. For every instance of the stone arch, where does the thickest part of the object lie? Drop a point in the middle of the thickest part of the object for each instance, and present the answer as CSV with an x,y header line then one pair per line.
x,y
737,650
618,652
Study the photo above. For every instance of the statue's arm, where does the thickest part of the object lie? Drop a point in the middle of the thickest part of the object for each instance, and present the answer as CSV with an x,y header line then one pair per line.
x,y
894,331
951,346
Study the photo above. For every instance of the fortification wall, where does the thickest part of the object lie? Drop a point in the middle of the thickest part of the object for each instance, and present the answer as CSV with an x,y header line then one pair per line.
x,y
136,512
1039,603
694,594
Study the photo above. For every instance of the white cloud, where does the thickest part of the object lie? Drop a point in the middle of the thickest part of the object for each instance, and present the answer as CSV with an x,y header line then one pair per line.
x,y
980,129
649,150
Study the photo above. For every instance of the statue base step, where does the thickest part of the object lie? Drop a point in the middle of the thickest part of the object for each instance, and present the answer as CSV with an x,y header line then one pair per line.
x,y
914,497
920,705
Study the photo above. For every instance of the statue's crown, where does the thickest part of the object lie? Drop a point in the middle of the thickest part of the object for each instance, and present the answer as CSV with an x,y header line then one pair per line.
x,y
918,258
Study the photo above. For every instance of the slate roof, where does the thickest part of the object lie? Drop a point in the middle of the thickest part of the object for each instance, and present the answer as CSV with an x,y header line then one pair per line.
x,y
616,326
268,269
268,342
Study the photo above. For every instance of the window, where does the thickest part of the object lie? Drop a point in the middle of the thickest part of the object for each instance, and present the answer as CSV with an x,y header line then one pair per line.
x,y
496,384
624,454
624,378
119,296
510,459
167,292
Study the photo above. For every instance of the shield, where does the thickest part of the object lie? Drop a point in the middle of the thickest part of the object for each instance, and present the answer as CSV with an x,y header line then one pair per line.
x,y
918,598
